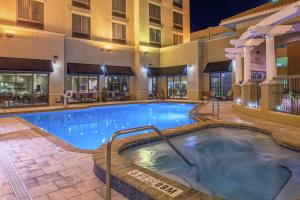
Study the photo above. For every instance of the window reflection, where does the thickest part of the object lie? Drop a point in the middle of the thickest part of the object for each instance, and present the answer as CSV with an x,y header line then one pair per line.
x,y
177,87
23,89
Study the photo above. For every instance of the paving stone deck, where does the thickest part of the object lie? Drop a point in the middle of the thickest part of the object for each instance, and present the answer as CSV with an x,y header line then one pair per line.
x,y
49,172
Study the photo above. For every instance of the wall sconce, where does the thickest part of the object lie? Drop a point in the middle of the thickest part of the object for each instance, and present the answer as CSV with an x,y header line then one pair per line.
x,y
54,60
9,35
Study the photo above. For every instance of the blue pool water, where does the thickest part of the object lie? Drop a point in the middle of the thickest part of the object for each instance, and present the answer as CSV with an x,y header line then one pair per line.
x,y
230,163
92,127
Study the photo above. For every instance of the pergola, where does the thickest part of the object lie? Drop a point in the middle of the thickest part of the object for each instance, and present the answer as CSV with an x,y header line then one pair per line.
x,y
265,30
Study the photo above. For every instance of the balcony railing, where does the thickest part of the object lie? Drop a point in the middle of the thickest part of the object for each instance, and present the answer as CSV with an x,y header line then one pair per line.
x,y
288,94
255,94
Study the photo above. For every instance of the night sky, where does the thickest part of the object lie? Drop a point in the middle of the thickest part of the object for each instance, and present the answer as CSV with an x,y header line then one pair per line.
x,y
205,13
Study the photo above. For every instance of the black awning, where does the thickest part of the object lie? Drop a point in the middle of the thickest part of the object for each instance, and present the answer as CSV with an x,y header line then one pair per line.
x,y
222,66
25,65
165,71
118,71
80,68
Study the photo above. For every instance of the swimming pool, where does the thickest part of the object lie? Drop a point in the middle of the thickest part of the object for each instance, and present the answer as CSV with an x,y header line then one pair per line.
x,y
90,128
230,163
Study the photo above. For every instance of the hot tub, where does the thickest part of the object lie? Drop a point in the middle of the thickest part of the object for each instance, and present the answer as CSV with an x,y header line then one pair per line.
x,y
229,163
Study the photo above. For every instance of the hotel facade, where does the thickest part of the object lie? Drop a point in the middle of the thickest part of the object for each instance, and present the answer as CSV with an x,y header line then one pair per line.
x,y
143,49
92,48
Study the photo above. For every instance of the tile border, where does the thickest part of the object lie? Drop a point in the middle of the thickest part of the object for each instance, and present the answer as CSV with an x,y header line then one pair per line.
x,y
120,166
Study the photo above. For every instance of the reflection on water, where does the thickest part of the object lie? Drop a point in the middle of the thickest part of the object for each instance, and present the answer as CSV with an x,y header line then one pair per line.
x,y
90,128
229,163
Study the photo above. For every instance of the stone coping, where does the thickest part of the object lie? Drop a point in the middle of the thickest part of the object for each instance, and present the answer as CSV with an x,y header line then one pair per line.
x,y
121,167
22,110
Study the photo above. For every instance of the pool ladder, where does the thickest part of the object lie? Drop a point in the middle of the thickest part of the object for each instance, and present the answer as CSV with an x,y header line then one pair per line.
x,y
123,132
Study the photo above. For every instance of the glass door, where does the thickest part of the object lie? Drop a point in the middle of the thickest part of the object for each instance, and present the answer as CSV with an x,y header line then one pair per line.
x,y
177,87
220,83
152,87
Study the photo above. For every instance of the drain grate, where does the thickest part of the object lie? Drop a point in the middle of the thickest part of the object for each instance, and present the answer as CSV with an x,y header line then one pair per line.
x,y
17,184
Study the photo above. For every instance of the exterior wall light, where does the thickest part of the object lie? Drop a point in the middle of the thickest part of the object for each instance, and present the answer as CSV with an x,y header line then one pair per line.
x,y
54,59
9,35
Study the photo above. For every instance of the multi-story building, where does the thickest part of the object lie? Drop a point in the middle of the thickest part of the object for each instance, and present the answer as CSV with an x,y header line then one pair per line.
x,y
48,47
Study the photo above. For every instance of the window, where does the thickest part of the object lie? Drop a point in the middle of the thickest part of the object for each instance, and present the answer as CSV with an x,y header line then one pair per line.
x,y
81,26
117,83
23,89
177,3
154,14
119,8
177,87
81,4
119,33
177,39
177,20
282,56
155,37
31,13
84,87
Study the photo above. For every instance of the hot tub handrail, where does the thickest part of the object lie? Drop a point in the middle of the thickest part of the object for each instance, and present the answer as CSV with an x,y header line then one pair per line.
x,y
123,132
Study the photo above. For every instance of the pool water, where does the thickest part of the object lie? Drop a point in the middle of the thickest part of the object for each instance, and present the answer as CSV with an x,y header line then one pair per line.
x,y
229,163
90,128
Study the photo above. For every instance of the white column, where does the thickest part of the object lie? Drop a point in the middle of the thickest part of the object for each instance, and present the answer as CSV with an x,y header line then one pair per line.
x,y
247,64
270,59
238,69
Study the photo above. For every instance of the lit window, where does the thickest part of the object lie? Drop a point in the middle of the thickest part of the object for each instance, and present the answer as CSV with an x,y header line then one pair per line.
x,y
282,62
119,8
31,13
117,83
119,32
155,37
154,14
177,20
177,39
81,26
177,3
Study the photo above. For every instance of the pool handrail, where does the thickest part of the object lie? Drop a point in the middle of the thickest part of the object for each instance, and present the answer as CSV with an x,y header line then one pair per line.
x,y
195,111
123,132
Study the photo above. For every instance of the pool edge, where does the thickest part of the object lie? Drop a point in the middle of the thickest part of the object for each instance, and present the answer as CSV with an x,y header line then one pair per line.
x,y
121,167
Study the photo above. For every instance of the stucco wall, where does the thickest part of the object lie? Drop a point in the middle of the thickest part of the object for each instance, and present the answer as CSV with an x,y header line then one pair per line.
x,y
34,44
185,54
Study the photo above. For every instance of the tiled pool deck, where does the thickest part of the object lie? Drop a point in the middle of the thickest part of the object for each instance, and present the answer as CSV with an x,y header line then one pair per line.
x,y
51,172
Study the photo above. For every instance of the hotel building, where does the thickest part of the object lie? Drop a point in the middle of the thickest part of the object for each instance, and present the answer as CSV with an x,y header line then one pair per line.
x,y
49,47
141,49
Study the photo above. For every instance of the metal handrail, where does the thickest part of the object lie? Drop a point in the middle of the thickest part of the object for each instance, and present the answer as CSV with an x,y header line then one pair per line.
x,y
194,111
123,132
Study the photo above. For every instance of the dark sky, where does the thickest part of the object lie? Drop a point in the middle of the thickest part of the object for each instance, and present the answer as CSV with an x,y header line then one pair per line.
x,y
205,13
